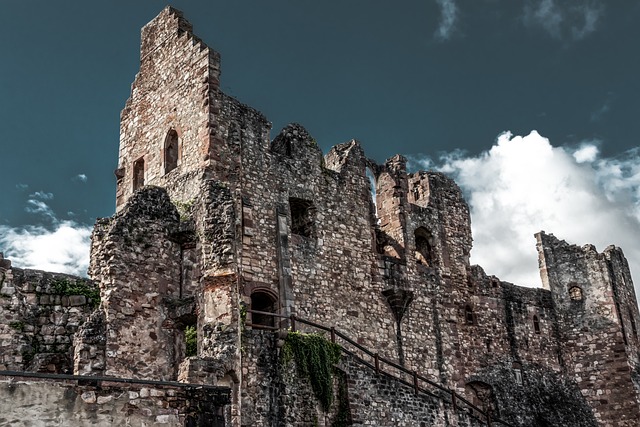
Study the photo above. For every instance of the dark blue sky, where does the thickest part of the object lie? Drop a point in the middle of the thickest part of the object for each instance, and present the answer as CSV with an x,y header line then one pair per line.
x,y
365,69
413,77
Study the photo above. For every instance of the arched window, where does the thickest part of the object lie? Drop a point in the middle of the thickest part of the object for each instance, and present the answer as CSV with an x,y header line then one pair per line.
x,y
536,324
469,318
170,151
138,174
575,293
424,247
266,302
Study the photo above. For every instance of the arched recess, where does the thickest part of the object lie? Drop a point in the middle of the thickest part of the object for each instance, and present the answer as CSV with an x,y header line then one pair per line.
x,y
138,174
171,151
263,300
424,247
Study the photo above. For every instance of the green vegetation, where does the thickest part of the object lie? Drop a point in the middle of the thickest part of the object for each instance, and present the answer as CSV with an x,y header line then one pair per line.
x,y
191,339
315,358
17,325
66,286
184,209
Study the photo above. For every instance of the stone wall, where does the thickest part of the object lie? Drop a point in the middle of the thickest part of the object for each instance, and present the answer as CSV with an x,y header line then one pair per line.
x,y
40,312
178,76
74,401
593,294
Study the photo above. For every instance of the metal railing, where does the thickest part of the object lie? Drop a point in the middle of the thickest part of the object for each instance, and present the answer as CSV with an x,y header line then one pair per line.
x,y
419,383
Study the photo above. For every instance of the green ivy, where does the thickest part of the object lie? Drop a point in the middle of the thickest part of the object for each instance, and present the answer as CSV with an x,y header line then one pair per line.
x,y
77,287
191,339
315,358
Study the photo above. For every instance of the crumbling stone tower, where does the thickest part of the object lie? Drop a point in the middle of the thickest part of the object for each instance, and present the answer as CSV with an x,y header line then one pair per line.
x,y
214,217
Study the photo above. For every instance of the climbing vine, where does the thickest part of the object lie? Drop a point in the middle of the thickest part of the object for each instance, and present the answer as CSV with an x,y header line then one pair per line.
x,y
315,359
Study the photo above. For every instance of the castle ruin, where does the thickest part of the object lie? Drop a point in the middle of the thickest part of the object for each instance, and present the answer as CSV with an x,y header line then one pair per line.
x,y
244,239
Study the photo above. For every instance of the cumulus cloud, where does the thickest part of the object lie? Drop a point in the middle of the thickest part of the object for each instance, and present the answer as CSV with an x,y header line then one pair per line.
x,y
59,246
448,17
588,152
62,249
564,20
80,177
523,184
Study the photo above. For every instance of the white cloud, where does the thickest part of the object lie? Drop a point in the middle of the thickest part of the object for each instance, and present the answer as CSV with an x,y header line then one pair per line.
x,y
588,152
22,187
448,17
566,19
64,249
60,246
38,207
42,195
80,177
524,184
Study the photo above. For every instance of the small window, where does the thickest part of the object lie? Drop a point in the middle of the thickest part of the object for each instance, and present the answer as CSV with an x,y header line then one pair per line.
x,y
469,318
536,324
575,293
265,302
303,217
424,247
138,174
171,151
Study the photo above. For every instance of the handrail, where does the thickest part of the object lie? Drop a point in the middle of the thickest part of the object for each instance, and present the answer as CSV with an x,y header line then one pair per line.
x,y
453,397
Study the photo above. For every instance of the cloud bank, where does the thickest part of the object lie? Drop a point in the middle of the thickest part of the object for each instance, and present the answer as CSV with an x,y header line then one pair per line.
x,y
58,246
523,185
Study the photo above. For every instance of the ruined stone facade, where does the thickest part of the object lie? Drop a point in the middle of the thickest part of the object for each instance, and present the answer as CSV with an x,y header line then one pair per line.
x,y
214,218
